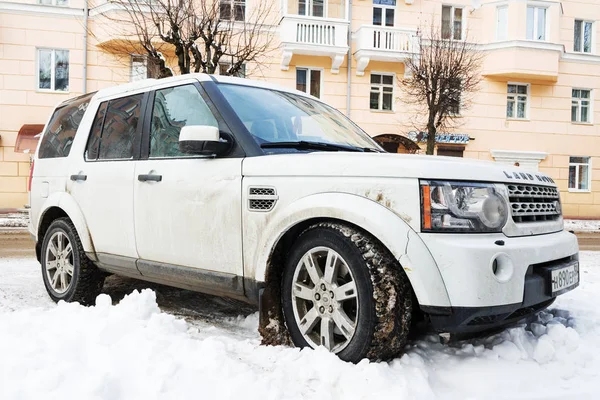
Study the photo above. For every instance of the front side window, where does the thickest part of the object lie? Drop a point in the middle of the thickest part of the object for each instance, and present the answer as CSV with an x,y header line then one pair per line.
x,y
516,101
579,174
139,68
502,23
53,70
382,92
232,10
383,12
313,8
536,23
452,23
580,105
309,81
60,131
272,116
582,42
114,129
54,2
175,108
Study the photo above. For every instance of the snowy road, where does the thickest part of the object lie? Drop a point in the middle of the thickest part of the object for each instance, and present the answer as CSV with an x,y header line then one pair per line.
x,y
135,350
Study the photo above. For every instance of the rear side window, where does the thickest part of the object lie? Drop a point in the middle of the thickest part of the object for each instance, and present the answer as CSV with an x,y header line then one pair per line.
x,y
114,128
61,129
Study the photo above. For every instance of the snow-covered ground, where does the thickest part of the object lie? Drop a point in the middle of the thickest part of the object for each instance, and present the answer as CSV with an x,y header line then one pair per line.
x,y
14,220
580,225
133,350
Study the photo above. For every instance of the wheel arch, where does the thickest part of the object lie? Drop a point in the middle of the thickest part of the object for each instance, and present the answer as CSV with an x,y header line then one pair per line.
x,y
63,206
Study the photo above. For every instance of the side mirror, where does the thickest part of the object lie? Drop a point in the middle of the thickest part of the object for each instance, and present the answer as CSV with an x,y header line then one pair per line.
x,y
203,140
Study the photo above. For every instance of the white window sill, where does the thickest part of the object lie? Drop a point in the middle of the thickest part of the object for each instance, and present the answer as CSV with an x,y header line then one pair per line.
x,y
53,91
518,119
582,123
382,111
579,191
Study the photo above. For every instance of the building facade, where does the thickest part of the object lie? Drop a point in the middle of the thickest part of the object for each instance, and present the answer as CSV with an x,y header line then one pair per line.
x,y
535,108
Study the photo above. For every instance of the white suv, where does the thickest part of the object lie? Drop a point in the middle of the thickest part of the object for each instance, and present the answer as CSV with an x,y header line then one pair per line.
x,y
243,189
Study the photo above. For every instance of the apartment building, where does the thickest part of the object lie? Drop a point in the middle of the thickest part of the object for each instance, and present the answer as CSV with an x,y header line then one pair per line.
x,y
536,107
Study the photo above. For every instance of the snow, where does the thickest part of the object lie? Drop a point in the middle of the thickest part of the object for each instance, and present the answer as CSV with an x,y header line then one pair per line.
x,y
133,350
580,225
14,220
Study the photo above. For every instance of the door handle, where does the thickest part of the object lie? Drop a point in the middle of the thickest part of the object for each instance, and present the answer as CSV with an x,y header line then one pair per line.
x,y
149,177
79,177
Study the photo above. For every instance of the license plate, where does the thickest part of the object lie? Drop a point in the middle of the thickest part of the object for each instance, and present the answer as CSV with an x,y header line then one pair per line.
x,y
562,279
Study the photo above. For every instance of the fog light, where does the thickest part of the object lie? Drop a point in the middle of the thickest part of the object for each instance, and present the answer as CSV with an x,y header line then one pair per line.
x,y
502,267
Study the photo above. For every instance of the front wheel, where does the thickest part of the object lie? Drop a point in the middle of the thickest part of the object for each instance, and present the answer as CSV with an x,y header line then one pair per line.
x,y
68,273
343,290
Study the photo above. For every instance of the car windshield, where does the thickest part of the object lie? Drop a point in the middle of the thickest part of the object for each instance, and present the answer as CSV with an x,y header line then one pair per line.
x,y
287,122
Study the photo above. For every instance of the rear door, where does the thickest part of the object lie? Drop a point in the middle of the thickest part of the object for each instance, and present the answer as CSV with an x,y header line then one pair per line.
x,y
187,208
101,179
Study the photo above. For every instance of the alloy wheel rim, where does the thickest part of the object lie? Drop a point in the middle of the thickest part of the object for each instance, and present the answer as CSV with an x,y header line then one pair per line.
x,y
59,262
325,299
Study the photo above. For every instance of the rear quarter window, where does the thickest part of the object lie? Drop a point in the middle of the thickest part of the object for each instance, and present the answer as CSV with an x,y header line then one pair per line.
x,y
60,132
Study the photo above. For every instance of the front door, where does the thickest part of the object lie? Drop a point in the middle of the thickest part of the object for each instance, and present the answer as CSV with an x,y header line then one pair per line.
x,y
187,208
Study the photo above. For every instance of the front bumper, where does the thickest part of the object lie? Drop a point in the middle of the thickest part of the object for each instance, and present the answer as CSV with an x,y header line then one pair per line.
x,y
482,294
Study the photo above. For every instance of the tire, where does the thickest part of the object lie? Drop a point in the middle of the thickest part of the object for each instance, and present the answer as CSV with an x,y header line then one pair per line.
x,y
378,306
71,276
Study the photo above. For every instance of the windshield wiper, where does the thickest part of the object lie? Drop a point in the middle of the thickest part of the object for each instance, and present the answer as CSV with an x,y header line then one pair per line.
x,y
304,145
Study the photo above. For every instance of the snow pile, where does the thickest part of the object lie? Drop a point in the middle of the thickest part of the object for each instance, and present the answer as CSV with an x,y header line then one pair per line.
x,y
14,220
132,350
580,225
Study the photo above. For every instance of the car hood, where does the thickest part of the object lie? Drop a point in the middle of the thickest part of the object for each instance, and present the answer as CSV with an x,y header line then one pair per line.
x,y
387,165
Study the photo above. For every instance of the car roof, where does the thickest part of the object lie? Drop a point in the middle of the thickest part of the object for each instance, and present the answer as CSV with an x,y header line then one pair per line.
x,y
150,84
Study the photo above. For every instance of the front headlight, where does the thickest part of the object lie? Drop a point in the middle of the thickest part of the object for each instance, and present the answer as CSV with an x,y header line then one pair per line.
x,y
462,207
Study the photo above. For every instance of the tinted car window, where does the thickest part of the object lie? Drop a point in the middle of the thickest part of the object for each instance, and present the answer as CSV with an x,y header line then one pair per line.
x,y
173,109
60,132
113,131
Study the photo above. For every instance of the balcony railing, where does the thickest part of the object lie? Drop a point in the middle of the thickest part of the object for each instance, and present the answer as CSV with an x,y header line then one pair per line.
x,y
384,44
314,36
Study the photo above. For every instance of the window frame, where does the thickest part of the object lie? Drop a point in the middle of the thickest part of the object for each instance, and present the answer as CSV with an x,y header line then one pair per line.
x,y
381,86
536,8
463,25
132,57
54,3
52,70
592,39
308,71
309,7
232,5
590,107
589,177
498,8
527,105
384,8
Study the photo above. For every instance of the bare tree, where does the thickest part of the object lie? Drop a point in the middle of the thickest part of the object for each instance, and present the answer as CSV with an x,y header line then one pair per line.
x,y
444,74
201,34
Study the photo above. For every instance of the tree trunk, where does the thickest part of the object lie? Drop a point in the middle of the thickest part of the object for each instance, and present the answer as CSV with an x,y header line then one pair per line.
x,y
431,131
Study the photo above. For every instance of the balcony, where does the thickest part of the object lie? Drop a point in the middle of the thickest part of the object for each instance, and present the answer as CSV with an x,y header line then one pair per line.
x,y
314,36
379,43
522,60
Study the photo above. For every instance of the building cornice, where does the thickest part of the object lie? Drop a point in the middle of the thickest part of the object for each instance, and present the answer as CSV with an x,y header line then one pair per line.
x,y
40,9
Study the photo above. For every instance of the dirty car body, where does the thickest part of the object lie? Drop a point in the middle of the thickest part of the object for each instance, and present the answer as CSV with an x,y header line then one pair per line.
x,y
214,184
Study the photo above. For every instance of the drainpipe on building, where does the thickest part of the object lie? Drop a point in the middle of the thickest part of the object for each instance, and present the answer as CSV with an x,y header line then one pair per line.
x,y
349,62
85,44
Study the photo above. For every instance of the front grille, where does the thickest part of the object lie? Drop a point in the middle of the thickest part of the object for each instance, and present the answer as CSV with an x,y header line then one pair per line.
x,y
529,203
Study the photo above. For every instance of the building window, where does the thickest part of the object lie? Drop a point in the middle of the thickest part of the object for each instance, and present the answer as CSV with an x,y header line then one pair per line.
x,y
54,2
309,81
234,10
139,68
383,12
502,23
382,92
516,101
454,95
536,23
452,23
580,105
579,174
224,70
53,70
451,151
312,8
583,36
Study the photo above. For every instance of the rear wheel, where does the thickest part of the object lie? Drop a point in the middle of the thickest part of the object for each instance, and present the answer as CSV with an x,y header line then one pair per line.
x,y
343,290
67,272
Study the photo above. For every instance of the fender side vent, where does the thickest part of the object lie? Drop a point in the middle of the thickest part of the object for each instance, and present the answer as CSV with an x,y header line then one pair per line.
x,y
262,198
